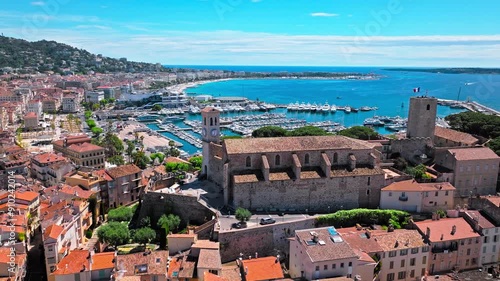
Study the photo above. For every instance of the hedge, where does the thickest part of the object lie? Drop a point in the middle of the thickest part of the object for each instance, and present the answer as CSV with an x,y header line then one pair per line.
x,y
349,218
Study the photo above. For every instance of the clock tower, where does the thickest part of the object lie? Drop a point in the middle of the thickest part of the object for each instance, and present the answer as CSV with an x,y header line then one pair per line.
x,y
210,132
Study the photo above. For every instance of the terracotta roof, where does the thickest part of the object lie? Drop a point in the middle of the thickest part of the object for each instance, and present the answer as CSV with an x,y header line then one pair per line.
x,y
30,115
287,144
53,231
207,276
74,262
473,153
45,158
27,195
124,170
156,263
209,259
4,256
206,244
358,240
231,272
455,136
209,109
103,174
414,186
482,221
495,200
399,239
443,228
84,147
171,159
327,250
77,191
263,269
103,261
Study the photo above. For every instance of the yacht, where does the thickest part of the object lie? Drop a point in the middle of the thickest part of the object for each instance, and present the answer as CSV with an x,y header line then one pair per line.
x,y
373,122
172,118
148,117
347,109
333,108
307,107
314,107
365,108
325,108
302,106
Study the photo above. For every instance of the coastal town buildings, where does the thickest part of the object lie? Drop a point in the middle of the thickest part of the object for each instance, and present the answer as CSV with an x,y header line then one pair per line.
x,y
70,103
444,137
94,96
471,170
412,196
79,150
454,244
36,107
126,185
40,165
422,117
30,121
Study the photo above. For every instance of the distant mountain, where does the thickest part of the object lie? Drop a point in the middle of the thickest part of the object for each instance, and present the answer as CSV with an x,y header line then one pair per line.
x,y
21,56
451,70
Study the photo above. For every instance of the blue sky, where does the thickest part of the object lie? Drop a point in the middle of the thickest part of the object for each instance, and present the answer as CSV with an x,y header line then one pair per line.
x,y
268,32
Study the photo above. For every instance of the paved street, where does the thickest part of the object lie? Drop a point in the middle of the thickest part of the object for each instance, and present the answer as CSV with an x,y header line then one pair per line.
x,y
226,222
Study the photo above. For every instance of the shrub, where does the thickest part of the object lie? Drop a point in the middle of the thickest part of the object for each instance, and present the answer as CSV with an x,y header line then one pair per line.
x,y
364,216
120,214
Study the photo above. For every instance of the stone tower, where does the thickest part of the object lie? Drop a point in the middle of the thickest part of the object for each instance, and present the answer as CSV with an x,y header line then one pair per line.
x,y
210,132
422,117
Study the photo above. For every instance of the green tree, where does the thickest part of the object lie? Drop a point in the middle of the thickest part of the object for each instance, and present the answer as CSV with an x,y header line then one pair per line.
x,y
91,123
156,107
96,131
95,107
169,223
141,160
112,144
400,163
196,161
308,131
144,235
418,172
242,214
158,155
120,214
88,114
359,132
114,233
117,160
176,167
476,123
269,131
130,150
494,144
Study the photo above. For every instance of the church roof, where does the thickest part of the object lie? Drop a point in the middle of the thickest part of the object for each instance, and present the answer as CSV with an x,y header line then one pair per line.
x,y
286,144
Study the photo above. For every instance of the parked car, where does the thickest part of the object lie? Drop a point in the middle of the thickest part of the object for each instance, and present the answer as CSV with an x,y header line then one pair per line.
x,y
240,224
267,220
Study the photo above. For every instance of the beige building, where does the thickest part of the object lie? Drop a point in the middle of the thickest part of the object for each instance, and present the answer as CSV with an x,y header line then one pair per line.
x,y
412,196
81,151
454,244
322,253
30,121
444,137
474,170
70,103
35,106
40,165
126,186
319,173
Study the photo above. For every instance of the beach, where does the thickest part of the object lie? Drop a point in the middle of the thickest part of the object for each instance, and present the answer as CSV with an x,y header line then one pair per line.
x,y
180,88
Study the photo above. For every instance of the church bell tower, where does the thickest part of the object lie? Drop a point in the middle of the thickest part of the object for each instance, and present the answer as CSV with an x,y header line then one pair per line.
x,y
210,132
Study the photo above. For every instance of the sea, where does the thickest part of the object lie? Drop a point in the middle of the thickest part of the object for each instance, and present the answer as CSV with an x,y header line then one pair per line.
x,y
390,93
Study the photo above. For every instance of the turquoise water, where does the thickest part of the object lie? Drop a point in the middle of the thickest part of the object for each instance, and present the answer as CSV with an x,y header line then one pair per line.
x,y
390,93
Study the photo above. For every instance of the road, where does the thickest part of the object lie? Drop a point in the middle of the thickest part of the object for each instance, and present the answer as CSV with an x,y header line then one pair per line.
x,y
226,222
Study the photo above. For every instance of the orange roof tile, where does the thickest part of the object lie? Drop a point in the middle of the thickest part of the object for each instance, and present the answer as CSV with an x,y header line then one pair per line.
x,y
103,261
443,228
53,231
455,136
84,147
30,115
495,200
4,256
74,262
473,153
48,158
212,277
263,269
124,170
411,185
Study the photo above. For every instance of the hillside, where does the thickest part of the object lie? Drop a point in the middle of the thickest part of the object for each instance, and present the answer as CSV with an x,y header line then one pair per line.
x,y
21,56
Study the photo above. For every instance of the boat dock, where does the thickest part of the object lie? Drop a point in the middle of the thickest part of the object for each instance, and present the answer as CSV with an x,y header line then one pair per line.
x,y
469,105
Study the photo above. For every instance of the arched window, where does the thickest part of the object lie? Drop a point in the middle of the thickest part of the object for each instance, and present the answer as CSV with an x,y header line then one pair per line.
x,y
249,161
277,160
306,159
369,181
428,107
205,121
215,121
335,157
211,121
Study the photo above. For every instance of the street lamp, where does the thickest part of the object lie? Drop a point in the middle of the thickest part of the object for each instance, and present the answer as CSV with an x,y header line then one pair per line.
x,y
328,208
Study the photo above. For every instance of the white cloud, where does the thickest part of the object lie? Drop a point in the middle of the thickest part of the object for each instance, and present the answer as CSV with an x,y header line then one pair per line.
x,y
38,3
321,14
99,27
252,48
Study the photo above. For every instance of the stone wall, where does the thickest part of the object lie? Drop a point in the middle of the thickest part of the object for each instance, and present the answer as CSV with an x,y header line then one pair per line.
x,y
412,149
487,206
265,240
313,195
155,204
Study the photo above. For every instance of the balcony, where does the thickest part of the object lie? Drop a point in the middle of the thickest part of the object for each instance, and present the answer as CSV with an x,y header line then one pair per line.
x,y
403,198
448,249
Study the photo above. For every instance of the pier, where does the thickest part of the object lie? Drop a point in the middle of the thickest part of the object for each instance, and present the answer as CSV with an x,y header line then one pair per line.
x,y
469,105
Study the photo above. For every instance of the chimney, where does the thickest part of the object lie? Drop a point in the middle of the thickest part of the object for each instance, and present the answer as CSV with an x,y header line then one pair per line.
x,y
256,255
453,229
396,244
428,232
368,233
442,236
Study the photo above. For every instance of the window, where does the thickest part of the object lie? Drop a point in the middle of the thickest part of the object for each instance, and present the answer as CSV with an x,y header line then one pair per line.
x,y
437,193
484,249
390,277
403,252
412,261
401,275
335,157
211,121
412,273
494,248
391,265
470,241
414,251
306,159
462,242
325,267
350,263
495,238
446,193
334,266
425,249
392,254
403,194
277,160
473,261
428,108
402,263
467,262
248,161
341,265
317,268
215,121
426,194
390,194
